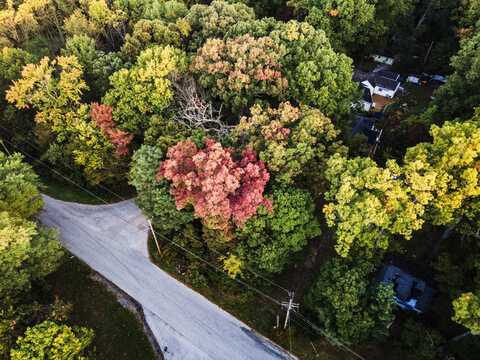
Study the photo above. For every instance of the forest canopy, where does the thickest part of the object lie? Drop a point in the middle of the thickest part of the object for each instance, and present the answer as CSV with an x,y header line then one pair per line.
x,y
246,137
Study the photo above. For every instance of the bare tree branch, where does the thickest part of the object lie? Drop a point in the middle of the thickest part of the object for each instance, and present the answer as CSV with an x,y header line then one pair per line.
x,y
194,111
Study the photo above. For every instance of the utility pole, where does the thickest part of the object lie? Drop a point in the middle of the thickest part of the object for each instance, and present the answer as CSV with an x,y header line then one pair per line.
x,y
289,305
155,237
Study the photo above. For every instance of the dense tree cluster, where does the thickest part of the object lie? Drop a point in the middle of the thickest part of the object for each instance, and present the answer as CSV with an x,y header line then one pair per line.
x,y
290,140
233,122
28,253
349,306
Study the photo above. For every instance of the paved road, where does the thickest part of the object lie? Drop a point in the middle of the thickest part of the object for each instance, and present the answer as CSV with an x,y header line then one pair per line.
x,y
112,239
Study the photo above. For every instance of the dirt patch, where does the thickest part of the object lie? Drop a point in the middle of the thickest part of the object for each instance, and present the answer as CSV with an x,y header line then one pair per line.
x,y
381,102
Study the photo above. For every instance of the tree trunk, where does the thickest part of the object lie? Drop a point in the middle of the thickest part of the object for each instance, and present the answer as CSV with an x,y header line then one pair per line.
x,y
424,16
446,234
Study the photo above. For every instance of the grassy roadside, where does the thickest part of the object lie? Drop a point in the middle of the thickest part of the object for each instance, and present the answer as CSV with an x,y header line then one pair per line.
x,y
62,190
257,312
118,334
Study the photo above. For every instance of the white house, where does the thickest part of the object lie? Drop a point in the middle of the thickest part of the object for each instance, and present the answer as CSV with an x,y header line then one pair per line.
x,y
379,82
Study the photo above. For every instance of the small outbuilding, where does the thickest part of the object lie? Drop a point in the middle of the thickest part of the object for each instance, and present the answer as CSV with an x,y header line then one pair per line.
x,y
383,59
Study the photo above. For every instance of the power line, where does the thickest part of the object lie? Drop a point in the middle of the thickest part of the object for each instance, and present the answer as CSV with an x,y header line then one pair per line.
x,y
36,147
158,234
266,296
334,340
186,235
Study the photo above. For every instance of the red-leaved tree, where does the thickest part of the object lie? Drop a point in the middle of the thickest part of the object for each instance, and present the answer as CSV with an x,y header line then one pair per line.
x,y
102,116
220,189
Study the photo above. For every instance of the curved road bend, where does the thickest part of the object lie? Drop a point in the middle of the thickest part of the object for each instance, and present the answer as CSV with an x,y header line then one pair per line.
x,y
112,240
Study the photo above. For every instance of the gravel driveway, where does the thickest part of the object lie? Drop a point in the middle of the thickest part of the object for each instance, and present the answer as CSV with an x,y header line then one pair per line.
x,y
112,240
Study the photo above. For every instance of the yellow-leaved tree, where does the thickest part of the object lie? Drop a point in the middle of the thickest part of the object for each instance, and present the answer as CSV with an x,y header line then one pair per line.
x,y
54,89
368,204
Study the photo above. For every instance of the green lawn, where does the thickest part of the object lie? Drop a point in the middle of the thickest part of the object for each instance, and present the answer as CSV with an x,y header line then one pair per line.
x,y
63,190
118,334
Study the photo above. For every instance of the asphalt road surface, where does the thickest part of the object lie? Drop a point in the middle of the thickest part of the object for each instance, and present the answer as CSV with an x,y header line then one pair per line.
x,y
112,240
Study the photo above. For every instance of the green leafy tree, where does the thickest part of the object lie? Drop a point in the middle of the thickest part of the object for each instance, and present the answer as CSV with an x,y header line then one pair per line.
x,y
268,240
348,305
83,48
368,204
348,23
18,187
241,70
392,12
165,132
294,142
50,94
12,60
169,11
22,21
26,253
104,65
97,65
54,89
460,95
145,89
153,196
96,19
352,25
317,76
264,8
49,340
419,342
468,14
445,172
467,311
151,32
90,147
212,21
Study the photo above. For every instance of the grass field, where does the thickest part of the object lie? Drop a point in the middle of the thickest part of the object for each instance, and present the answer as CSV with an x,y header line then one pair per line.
x,y
118,334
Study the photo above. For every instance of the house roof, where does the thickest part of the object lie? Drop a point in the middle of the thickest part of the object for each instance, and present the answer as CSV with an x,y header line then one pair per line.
x,y
383,59
365,125
386,83
367,95
389,81
407,287
359,76
388,74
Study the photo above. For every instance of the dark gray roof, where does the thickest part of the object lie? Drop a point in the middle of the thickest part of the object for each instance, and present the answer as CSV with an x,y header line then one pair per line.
x,y
359,76
377,79
407,286
388,74
366,126
386,83
367,96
